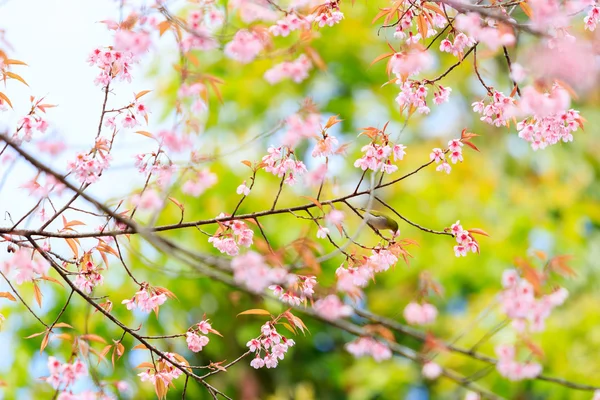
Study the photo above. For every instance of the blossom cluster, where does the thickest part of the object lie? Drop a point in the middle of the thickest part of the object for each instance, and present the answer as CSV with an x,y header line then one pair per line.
x,y
376,157
27,266
296,70
165,371
297,289
519,303
431,370
245,46
274,345
251,271
405,25
299,127
412,95
88,167
136,43
592,18
145,300
195,93
279,162
202,22
458,45
551,122
113,64
231,235
465,241
149,200
420,314
197,185
481,32
196,337
410,62
27,126
329,18
508,367
63,375
367,346
352,278
291,22
455,154
332,308
89,277
130,115
41,189
498,112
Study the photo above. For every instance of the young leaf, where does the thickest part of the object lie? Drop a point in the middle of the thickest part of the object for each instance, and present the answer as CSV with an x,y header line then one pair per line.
x,y
7,295
255,311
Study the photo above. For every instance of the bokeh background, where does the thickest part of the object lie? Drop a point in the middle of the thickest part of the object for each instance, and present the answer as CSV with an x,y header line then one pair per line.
x,y
546,200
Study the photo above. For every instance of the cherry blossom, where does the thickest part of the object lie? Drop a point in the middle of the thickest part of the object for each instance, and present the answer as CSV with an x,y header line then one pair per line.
x,y
280,163
251,270
417,314
145,301
431,370
203,180
376,158
243,189
519,303
508,367
367,346
332,308
25,265
196,342
136,43
63,375
148,200
244,47
274,346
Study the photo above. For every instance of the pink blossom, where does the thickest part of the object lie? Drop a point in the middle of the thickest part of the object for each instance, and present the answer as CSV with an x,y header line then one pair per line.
x,y
244,47
174,141
279,163
322,232
299,127
413,94
325,147
508,367
251,270
296,70
399,152
437,155
442,96
196,342
431,370
257,362
135,42
592,18
203,180
410,63
472,396
416,314
148,200
332,308
335,217
145,301
366,346
243,189
381,260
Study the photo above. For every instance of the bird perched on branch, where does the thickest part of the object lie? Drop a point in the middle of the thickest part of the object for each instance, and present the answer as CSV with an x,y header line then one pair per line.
x,y
379,220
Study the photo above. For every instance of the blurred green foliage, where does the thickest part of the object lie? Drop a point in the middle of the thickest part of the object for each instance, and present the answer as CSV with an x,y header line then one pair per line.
x,y
546,200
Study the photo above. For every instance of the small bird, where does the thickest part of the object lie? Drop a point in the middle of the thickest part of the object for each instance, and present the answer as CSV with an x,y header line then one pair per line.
x,y
378,220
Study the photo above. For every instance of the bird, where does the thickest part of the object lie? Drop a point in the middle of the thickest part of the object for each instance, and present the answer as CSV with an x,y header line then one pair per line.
x,y
379,220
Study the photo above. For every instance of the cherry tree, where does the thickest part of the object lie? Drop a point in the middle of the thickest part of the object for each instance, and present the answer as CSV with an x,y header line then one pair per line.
x,y
336,184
